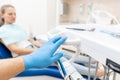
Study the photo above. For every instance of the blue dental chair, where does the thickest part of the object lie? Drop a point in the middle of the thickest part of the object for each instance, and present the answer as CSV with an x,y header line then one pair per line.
x,y
49,71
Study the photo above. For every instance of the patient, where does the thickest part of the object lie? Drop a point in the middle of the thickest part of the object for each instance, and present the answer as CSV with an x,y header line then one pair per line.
x,y
20,43
13,35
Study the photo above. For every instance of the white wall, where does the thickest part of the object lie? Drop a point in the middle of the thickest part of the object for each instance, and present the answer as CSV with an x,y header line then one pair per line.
x,y
51,12
32,14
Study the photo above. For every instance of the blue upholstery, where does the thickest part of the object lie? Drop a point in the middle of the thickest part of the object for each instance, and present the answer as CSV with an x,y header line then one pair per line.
x,y
4,52
50,71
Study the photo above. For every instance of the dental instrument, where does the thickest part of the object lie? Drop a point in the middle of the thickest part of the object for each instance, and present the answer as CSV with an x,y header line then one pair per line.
x,y
80,29
113,34
66,68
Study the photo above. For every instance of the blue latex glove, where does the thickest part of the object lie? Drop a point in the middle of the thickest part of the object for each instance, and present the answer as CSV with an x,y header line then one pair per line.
x,y
44,56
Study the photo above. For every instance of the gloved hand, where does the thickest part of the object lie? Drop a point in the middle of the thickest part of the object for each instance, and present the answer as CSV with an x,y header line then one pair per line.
x,y
44,56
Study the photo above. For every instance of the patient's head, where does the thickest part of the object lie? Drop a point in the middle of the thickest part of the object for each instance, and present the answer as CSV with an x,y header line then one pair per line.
x,y
8,14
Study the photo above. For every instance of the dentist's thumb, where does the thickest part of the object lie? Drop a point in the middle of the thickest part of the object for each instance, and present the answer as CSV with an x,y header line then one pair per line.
x,y
56,57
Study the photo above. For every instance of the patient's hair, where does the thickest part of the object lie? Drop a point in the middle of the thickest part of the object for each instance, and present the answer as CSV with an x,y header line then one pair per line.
x,y
2,11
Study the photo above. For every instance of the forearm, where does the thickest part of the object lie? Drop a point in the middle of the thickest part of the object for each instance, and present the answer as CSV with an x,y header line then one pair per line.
x,y
23,51
11,67
19,50
36,43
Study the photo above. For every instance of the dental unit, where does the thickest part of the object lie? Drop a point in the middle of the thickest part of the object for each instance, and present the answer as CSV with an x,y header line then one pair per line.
x,y
66,68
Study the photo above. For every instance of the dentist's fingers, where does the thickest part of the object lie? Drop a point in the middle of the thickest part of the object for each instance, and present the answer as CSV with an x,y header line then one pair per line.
x,y
60,41
55,39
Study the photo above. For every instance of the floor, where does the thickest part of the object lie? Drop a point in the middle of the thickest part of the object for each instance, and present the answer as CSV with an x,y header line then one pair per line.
x,y
117,77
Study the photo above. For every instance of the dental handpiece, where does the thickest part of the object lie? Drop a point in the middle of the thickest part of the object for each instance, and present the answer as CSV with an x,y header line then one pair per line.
x,y
66,68
76,44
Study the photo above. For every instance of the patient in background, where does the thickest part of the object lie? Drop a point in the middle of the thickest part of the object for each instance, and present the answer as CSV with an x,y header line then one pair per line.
x,y
12,35
20,43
